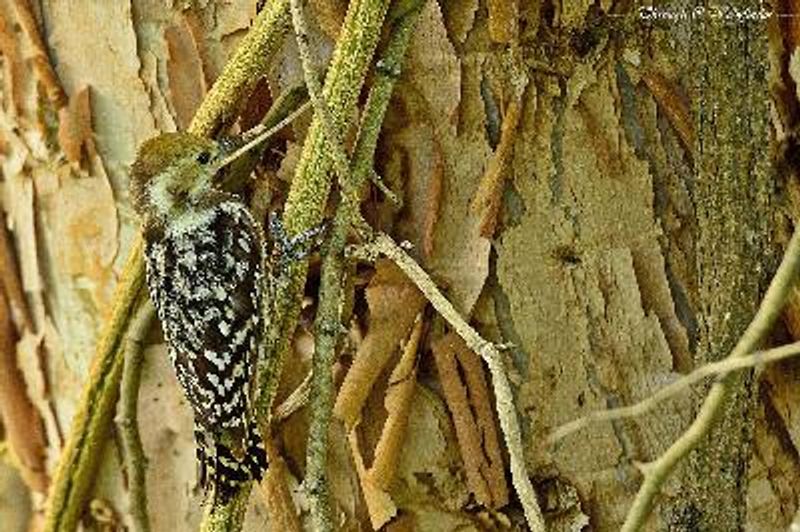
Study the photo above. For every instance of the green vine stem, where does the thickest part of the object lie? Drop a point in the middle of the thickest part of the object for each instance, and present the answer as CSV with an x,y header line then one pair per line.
x,y
312,182
328,320
76,470
135,459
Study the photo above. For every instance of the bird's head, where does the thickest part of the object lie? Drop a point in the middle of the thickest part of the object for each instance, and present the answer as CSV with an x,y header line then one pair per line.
x,y
173,170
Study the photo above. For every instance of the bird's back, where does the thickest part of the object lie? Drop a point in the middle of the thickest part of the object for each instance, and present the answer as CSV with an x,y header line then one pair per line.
x,y
205,274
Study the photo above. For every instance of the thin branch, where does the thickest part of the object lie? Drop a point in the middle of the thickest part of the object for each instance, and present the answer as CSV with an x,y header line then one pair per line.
x,y
242,168
75,474
321,109
260,133
79,460
296,400
383,244
721,367
135,459
656,472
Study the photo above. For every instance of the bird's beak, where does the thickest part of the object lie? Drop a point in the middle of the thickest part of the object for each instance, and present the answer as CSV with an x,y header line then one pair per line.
x,y
231,149
228,152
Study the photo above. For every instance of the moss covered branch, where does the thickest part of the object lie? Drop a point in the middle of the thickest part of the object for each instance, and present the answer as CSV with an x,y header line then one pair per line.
x,y
135,459
328,320
312,181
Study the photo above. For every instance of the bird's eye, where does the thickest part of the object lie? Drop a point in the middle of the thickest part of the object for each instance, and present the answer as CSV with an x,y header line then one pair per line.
x,y
203,157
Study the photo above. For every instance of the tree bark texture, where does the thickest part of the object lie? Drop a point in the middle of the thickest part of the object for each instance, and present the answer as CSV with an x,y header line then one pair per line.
x,y
643,186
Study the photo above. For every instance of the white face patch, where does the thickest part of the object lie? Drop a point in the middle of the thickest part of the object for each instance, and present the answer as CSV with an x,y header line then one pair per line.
x,y
157,193
164,203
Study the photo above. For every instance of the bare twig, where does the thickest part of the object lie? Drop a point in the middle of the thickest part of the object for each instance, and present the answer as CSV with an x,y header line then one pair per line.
x,y
721,367
285,104
383,244
296,400
656,472
135,459
321,109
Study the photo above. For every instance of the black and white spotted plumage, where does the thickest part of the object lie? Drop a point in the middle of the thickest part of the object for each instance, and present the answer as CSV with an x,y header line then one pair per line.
x,y
204,256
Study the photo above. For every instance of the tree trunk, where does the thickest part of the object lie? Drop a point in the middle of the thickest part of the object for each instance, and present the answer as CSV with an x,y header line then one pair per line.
x,y
605,188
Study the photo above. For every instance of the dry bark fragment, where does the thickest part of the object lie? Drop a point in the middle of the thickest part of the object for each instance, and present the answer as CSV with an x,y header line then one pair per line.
x,y
488,198
185,70
41,63
22,424
398,404
674,105
75,134
469,402
329,15
376,479
276,493
394,302
380,505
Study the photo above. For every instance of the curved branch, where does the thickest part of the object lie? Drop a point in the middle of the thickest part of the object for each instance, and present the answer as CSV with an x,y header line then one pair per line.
x,y
504,401
721,367
657,472
135,459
